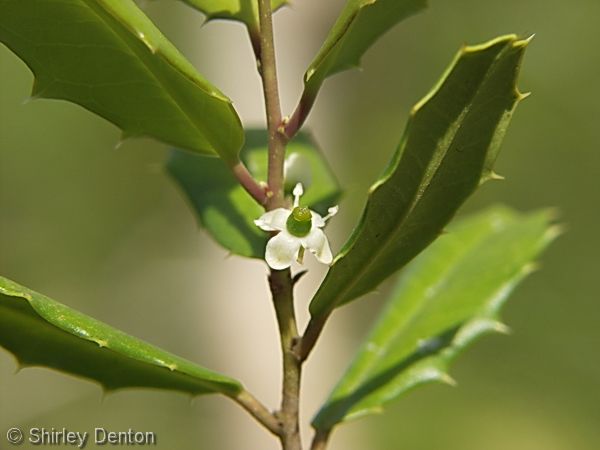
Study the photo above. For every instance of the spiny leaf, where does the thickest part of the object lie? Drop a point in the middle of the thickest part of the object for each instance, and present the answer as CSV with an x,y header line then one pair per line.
x,y
359,25
108,57
227,211
447,151
448,297
241,10
42,332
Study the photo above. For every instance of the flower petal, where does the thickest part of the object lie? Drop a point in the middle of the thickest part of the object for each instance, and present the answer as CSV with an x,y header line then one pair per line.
x,y
273,220
282,250
317,219
317,243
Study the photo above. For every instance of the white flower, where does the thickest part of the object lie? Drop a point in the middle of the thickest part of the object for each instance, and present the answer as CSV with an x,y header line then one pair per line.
x,y
299,229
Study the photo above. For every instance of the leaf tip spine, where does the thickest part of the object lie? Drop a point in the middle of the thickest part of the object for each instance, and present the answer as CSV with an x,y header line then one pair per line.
x,y
502,328
101,343
529,268
105,391
522,43
19,366
28,100
208,18
490,175
119,144
128,135
445,378
522,95
554,231
496,176
37,90
142,37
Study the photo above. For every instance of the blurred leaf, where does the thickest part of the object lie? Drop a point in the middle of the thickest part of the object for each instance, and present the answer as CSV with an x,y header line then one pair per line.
x,y
108,57
42,332
449,296
448,149
226,210
242,10
359,25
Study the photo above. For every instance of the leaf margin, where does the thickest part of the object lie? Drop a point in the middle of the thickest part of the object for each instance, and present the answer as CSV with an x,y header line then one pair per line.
x,y
434,367
82,327
131,25
318,307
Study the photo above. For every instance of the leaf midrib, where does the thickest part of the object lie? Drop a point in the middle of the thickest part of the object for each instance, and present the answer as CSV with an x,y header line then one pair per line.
x,y
314,68
418,311
420,193
118,31
213,380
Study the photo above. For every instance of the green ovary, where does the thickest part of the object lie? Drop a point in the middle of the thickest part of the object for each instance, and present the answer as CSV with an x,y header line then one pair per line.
x,y
299,222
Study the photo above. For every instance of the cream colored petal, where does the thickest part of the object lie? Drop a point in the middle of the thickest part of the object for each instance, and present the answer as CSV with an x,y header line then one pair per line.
x,y
273,220
282,250
317,219
317,243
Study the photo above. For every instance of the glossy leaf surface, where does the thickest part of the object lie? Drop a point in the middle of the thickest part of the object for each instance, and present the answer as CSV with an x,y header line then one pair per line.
x,y
359,25
448,297
42,332
227,211
108,57
448,149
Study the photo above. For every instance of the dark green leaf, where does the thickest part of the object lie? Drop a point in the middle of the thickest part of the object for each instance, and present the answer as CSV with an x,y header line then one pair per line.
x,y
359,25
449,296
108,57
42,332
226,210
448,148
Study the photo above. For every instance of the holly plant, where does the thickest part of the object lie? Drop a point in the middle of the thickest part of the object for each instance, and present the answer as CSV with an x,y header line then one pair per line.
x,y
269,194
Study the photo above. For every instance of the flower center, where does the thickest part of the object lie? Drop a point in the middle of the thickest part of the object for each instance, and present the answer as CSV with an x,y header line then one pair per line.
x,y
299,222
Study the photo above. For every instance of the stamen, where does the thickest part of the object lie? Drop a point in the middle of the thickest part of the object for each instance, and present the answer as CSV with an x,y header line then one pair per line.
x,y
298,191
332,212
300,257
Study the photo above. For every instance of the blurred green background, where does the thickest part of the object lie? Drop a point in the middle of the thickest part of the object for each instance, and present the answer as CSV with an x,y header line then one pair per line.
x,y
102,229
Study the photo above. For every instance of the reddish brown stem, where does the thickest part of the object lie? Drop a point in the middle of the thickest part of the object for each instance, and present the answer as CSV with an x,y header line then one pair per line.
x,y
268,71
258,192
295,122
